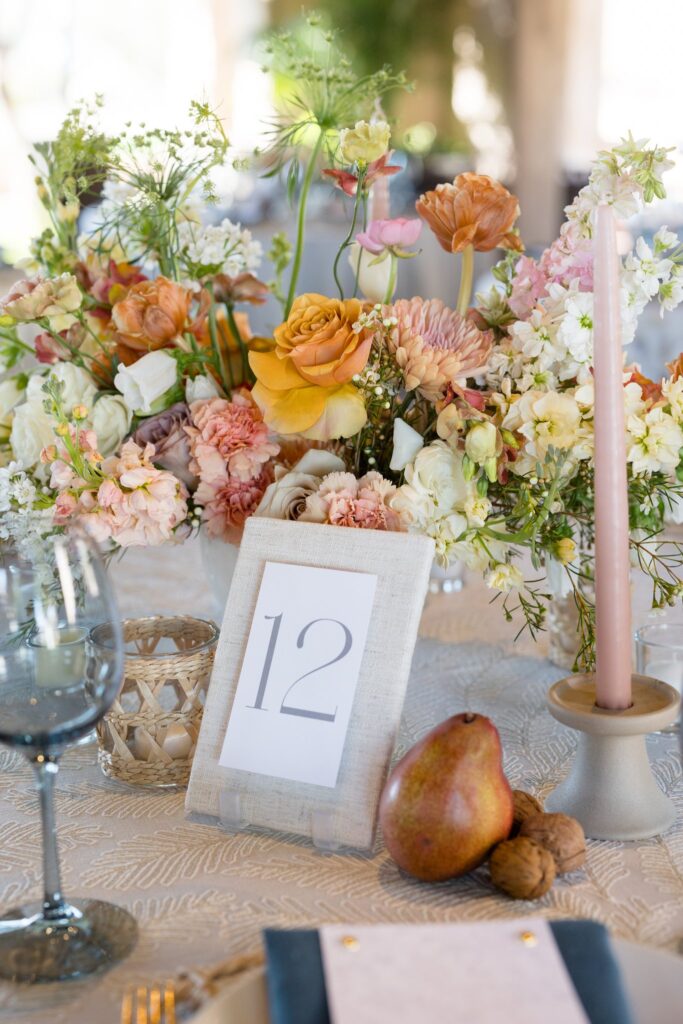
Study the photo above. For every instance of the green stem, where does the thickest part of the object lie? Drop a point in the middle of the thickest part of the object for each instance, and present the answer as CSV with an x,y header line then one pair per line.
x,y
347,240
301,222
466,276
244,352
391,286
226,377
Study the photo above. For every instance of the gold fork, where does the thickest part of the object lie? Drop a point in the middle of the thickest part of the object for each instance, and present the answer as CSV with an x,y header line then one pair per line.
x,y
149,1005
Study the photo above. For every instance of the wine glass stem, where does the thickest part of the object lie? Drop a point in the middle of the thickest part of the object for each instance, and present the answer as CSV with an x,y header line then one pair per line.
x,y
46,769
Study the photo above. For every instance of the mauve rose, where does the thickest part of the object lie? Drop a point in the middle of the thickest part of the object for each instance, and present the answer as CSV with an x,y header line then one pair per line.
x,y
166,431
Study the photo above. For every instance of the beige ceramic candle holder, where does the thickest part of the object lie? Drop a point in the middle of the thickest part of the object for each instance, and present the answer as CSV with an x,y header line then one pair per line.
x,y
610,788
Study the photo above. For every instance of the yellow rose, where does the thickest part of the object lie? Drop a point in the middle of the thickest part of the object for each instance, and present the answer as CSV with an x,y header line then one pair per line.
x,y
303,384
364,143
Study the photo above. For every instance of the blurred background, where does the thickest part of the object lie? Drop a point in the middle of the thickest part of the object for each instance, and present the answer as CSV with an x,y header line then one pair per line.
x,y
523,90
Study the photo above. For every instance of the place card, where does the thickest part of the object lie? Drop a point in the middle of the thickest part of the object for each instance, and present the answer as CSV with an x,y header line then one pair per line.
x,y
483,971
307,689
295,692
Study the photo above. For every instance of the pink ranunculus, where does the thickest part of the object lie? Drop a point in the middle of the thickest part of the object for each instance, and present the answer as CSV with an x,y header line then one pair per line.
x,y
528,286
398,233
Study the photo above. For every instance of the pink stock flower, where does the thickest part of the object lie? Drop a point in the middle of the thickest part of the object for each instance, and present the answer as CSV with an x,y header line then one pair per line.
x,y
379,168
342,500
229,434
569,258
528,286
398,233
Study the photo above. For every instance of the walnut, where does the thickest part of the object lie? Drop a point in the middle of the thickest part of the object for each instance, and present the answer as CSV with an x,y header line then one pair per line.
x,y
561,835
524,805
522,868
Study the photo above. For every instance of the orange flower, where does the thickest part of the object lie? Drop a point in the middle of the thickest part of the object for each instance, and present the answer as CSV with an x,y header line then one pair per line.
x,y
475,210
304,383
152,315
675,367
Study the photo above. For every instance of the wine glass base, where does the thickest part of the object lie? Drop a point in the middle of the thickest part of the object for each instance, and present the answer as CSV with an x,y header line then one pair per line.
x,y
89,938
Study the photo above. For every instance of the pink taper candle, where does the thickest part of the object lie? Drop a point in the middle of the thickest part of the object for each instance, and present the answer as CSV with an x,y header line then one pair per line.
x,y
612,576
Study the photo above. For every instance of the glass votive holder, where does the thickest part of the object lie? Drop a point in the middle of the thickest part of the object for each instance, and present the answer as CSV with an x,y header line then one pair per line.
x,y
58,657
659,653
149,735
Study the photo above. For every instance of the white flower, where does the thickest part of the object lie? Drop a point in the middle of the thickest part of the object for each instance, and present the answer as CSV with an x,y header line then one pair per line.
x,y
673,392
224,248
671,291
365,142
32,430
286,497
656,440
481,442
145,382
576,330
437,473
407,443
79,388
504,576
10,395
373,273
546,419
647,269
199,388
665,239
477,509
110,419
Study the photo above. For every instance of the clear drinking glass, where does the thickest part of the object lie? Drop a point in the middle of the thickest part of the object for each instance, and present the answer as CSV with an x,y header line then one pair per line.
x,y
659,653
54,687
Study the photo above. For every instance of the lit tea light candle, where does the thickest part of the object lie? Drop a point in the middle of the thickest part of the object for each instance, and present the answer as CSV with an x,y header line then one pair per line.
x,y
59,658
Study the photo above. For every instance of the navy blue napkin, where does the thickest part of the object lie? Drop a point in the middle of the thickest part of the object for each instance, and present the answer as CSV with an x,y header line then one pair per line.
x,y
296,982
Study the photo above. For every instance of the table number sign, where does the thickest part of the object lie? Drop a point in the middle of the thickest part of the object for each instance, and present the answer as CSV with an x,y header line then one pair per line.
x,y
309,678
298,680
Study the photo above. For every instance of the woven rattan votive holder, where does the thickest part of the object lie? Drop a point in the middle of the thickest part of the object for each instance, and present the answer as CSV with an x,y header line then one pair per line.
x,y
149,735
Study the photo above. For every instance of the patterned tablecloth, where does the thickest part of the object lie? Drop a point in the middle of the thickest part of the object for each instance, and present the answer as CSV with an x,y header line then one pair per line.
x,y
201,895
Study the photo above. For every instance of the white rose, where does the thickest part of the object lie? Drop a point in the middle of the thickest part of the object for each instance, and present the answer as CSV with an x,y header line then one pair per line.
x,y
144,383
10,395
111,419
79,388
200,388
286,497
32,430
407,443
437,471
373,274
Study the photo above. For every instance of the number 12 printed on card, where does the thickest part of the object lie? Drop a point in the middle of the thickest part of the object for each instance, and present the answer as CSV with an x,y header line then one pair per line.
x,y
296,688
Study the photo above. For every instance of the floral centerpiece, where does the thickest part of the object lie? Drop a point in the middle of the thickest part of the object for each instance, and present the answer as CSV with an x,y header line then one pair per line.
x,y
136,399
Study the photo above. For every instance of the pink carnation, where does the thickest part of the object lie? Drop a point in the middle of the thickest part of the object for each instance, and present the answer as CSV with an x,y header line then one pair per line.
x,y
229,434
228,502
342,500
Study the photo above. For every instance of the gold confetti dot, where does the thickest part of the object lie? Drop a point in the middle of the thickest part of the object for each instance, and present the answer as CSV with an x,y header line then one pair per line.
x,y
351,943
529,939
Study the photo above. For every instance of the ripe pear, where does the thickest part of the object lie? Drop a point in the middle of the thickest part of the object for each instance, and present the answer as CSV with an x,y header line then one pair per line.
x,y
447,801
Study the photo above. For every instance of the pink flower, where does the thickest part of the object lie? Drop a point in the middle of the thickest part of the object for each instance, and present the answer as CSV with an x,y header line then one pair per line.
x,y
528,286
398,233
342,500
229,501
569,258
229,434
348,182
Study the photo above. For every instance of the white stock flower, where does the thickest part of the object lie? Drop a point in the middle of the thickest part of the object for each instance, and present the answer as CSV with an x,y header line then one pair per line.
x,y
504,576
656,440
576,330
110,419
373,272
673,393
477,509
648,270
665,239
546,419
199,388
146,381
407,443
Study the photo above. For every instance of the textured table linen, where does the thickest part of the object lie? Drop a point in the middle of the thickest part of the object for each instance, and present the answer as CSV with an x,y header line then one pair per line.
x,y
201,895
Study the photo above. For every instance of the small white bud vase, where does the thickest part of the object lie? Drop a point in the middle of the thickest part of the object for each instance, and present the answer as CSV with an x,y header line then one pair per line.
x,y
219,560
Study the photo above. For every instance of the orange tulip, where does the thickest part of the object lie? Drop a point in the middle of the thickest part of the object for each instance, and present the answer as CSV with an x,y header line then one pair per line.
x,y
153,315
475,210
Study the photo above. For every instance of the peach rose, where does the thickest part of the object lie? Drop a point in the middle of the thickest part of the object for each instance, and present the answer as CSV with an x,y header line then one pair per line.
x,y
475,210
152,315
303,385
